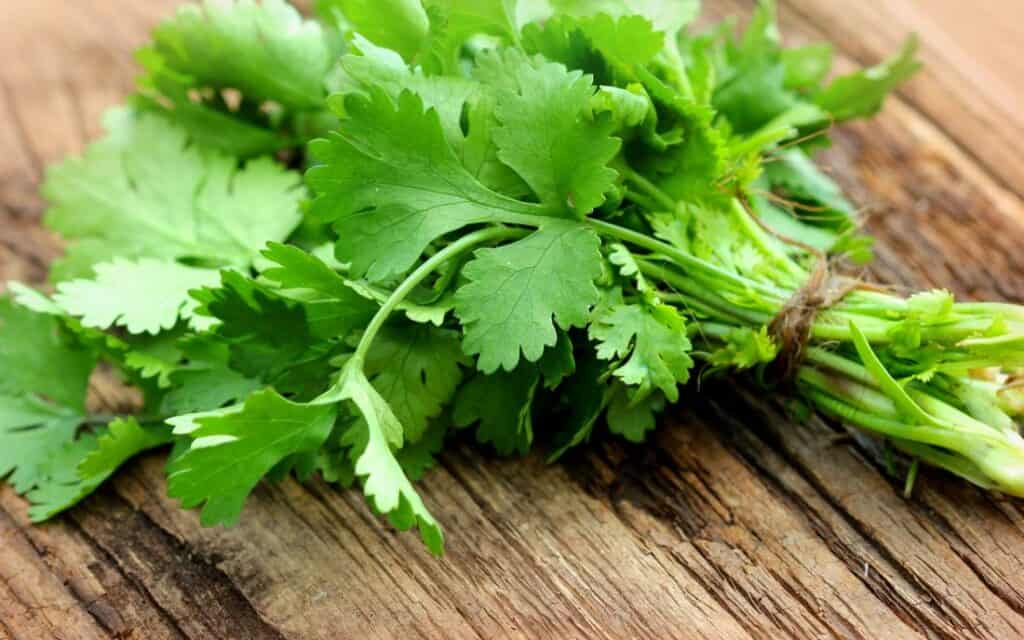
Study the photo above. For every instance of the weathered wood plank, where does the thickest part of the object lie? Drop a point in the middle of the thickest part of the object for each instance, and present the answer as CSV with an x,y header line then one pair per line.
x,y
737,524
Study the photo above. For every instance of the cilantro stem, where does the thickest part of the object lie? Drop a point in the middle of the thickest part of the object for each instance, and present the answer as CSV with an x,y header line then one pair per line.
x,y
683,259
453,250
648,187
641,199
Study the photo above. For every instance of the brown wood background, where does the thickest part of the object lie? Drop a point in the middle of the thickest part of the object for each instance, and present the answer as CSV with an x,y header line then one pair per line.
x,y
734,523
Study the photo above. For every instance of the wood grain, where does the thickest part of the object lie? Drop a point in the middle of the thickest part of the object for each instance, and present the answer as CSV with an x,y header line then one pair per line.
x,y
737,524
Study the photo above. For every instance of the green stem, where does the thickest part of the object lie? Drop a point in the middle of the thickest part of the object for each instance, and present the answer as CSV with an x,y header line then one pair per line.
x,y
682,259
663,199
765,243
703,294
644,201
460,246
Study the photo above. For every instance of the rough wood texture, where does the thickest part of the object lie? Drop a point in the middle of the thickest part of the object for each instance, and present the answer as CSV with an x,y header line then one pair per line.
x,y
737,524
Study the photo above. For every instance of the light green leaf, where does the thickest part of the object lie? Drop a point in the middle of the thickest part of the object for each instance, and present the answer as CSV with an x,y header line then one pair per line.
x,y
399,25
385,484
31,432
265,50
385,69
120,200
143,296
861,94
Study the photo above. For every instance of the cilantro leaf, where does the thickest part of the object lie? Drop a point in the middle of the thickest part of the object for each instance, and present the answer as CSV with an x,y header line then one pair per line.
x,y
586,395
632,418
627,41
385,69
558,362
265,49
206,382
120,200
421,456
232,449
58,485
453,22
565,161
143,296
385,484
32,349
333,307
652,341
416,369
391,184
265,332
123,439
501,405
668,17
399,25
237,73
861,94
518,293
31,432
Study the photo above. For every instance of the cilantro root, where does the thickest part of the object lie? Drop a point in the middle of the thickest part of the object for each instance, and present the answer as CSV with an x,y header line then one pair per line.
x,y
530,231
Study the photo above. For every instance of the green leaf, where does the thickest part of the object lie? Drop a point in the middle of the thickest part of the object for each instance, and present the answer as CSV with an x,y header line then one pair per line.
x,y
558,362
37,358
627,41
385,69
793,171
266,333
806,66
59,486
421,456
122,440
143,296
152,356
565,161
31,433
385,484
232,449
633,419
206,382
889,386
500,405
668,17
120,200
453,22
586,395
266,50
333,307
651,339
416,369
861,94
518,293
745,348
399,25
391,184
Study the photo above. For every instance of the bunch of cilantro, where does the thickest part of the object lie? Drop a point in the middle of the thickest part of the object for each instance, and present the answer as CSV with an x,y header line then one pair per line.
x,y
322,246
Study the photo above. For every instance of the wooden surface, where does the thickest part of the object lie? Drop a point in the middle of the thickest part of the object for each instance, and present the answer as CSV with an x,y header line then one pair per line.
x,y
734,523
